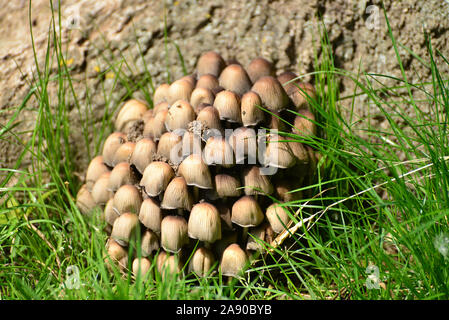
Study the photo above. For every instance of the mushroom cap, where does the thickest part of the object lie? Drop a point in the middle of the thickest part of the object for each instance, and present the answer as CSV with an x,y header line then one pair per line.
x,y
156,177
191,144
131,110
210,63
150,243
100,192
95,169
271,93
255,182
141,266
180,90
127,199
262,232
168,264
208,81
150,215
125,228
110,146
154,127
161,94
201,95
210,117
84,201
160,107
204,223
235,78
110,215
177,195
121,174
218,152
277,217
243,141
246,212
170,146
202,261
123,153
304,123
228,105
252,114
180,114
233,261
196,172
278,153
227,186
143,153
173,233
258,68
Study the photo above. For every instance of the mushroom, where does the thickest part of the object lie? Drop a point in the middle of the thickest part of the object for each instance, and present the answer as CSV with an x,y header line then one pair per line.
x,y
201,95
84,201
278,153
150,215
125,228
262,232
271,93
95,169
161,94
110,215
227,186
180,90
304,124
204,223
156,177
256,183
210,117
235,78
150,243
168,265
127,199
162,106
180,114
228,106
131,111
143,153
208,81
244,144
155,126
202,262
121,174
173,233
111,144
233,261
218,152
170,146
196,173
246,213
177,196
191,144
140,267
277,217
252,114
210,63
259,68
116,254
100,192
123,153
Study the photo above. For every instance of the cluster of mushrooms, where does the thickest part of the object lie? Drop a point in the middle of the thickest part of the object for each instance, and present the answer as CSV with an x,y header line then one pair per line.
x,y
194,178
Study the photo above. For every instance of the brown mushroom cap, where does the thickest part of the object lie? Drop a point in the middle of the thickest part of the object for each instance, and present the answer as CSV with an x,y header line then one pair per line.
x,y
277,217
201,95
150,243
210,63
100,192
155,126
95,169
143,153
255,182
204,223
173,233
278,153
121,174
304,123
202,261
227,186
110,214
125,228
234,78
208,81
123,153
131,110
210,117
233,261
271,93
170,146
228,105
110,146
180,114
127,199
195,171
246,212
177,195
156,177
218,152
258,68
84,201
252,114
140,267
161,94
243,141
150,215
180,90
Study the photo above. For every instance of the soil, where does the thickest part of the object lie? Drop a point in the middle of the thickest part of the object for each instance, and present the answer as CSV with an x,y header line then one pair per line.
x,y
95,33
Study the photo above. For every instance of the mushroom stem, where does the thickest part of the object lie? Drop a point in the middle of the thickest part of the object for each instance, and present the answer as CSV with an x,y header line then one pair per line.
x,y
180,211
244,235
196,193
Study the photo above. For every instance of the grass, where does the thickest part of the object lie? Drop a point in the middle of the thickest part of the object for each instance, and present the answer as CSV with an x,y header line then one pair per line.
x,y
379,228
